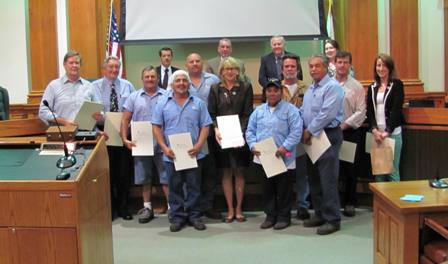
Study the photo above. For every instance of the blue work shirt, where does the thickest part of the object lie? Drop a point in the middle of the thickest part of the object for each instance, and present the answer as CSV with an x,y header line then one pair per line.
x,y
142,105
284,125
322,106
203,89
176,119
102,88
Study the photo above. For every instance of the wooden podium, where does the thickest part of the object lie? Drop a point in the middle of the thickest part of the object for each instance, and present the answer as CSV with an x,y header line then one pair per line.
x,y
44,221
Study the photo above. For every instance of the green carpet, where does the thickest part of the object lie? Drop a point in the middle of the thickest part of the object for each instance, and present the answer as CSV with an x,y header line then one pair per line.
x,y
244,242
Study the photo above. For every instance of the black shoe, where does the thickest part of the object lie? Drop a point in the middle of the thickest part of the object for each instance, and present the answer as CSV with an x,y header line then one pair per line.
x,y
302,213
198,225
176,227
328,228
349,210
267,224
212,214
281,225
313,222
125,214
145,215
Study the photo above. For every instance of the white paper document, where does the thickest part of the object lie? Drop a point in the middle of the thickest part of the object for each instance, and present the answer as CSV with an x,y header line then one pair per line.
x,y
112,128
370,142
230,129
318,146
347,151
84,117
181,144
141,132
272,165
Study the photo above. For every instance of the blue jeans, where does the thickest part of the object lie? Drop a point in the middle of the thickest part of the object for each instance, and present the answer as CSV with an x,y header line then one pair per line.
x,y
395,175
181,209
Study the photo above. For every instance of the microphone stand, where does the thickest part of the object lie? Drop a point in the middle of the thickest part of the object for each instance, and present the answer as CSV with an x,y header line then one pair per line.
x,y
66,161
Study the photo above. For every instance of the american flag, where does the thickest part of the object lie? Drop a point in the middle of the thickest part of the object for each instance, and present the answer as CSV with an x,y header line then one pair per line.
x,y
113,40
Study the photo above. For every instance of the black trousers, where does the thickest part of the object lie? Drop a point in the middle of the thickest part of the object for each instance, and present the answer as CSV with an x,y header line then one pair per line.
x,y
277,193
121,174
348,177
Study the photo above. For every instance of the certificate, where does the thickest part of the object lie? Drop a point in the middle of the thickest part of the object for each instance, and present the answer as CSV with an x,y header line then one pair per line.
x,y
141,132
84,117
272,165
318,146
230,129
112,128
347,151
181,144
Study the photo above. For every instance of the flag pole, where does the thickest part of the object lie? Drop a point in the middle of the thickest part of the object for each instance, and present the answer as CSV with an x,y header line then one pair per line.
x,y
109,27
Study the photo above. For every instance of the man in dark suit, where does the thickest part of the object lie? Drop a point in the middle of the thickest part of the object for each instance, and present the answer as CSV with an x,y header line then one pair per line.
x,y
165,69
271,64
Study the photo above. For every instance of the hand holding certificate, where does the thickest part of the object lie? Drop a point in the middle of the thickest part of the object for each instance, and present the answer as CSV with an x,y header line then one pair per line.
x,y
141,132
318,146
272,165
112,128
230,129
181,144
84,117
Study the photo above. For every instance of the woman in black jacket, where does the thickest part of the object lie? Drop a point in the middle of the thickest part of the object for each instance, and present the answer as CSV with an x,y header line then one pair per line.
x,y
385,99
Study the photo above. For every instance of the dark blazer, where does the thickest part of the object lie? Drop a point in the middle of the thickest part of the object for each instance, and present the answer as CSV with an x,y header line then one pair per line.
x,y
394,98
159,73
268,69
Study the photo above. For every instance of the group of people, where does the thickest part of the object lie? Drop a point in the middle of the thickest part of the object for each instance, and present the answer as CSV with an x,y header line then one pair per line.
x,y
189,101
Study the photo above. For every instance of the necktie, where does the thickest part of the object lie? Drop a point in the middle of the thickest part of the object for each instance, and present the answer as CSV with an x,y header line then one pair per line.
x,y
113,99
278,63
165,79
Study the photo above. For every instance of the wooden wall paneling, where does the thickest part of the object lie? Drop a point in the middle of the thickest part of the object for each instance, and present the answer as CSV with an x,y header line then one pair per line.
x,y
43,46
404,42
361,36
83,34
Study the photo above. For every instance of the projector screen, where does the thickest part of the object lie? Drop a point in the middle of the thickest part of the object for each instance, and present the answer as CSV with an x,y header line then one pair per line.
x,y
199,20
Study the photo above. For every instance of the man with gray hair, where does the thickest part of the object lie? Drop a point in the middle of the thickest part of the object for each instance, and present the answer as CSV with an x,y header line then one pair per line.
x,y
66,94
322,112
113,92
224,51
180,112
271,64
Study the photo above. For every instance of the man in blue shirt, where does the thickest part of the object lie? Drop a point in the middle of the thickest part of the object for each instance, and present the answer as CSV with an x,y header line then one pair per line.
x,y
200,86
322,111
181,112
139,107
113,92
281,121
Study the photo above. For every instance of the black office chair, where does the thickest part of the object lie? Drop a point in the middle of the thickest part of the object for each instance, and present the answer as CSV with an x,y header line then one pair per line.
x,y
4,104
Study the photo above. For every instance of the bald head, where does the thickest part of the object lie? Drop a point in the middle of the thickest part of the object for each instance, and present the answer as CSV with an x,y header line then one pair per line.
x,y
193,64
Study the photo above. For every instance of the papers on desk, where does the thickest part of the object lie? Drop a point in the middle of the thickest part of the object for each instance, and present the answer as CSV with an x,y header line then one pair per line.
x,y
142,137
347,151
272,165
412,198
112,128
84,117
181,144
370,141
318,146
230,129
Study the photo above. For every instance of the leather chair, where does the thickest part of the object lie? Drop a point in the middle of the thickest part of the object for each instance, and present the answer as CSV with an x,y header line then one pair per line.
x,y
436,250
4,104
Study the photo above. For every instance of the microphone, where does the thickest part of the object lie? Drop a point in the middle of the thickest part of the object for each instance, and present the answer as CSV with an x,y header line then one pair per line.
x,y
66,161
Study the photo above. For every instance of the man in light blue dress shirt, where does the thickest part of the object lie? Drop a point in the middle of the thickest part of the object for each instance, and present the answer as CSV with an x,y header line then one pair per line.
x,y
113,92
322,111
66,95
281,121
201,83
181,112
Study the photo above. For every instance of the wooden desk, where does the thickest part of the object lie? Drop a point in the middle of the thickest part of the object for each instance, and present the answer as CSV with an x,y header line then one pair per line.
x,y
44,221
397,223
